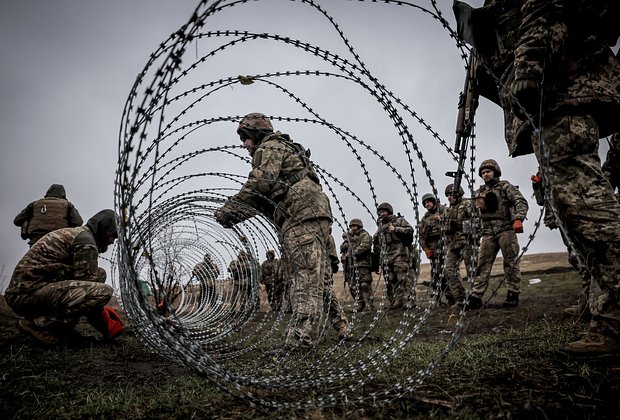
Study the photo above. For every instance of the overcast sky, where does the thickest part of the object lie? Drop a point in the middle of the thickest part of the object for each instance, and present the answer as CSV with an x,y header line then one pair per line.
x,y
68,66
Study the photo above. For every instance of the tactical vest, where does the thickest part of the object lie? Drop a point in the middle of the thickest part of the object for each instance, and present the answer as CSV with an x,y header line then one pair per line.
x,y
49,214
496,203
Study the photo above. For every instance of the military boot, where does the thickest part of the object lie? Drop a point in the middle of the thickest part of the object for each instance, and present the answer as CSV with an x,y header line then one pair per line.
x,y
512,300
472,303
594,344
578,310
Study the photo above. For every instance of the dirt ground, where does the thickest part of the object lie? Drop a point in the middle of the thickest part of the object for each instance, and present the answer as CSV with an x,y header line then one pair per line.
x,y
552,382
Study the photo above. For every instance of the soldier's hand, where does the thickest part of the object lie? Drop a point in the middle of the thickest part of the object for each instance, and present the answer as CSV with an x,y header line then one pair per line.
x,y
428,252
527,94
391,228
224,218
517,225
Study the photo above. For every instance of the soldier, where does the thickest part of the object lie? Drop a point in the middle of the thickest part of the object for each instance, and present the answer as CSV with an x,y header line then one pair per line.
x,y
502,209
206,271
566,44
357,258
457,222
52,212
58,281
344,248
430,239
241,271
270,270
392,242
284,187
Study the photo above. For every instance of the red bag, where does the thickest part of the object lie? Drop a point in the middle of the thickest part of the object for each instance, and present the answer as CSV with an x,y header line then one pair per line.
x,y
111,322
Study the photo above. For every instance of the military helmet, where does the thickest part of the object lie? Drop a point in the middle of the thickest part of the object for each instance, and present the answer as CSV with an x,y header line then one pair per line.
x,y
385,206
254,121
492,165
450,190
356,222
271,253
429,196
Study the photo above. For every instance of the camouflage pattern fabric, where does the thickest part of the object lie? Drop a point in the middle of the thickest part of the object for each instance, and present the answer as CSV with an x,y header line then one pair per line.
x,y
241,270
284,187
395,258
306,253
499,203
588,208
274,286
57,281
457,249
272,187
430,236
357,258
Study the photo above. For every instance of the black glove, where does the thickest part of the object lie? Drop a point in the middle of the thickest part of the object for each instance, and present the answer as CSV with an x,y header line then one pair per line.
x,y
224,218
334,264
527,94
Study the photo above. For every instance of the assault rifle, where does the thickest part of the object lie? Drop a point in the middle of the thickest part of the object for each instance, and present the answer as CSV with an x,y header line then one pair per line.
x,y
468,102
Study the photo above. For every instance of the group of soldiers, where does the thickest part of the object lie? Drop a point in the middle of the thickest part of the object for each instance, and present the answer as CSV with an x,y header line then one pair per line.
x,y
547,63
58,281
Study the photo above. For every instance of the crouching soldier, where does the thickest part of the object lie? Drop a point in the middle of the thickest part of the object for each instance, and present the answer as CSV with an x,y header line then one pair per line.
x,y
58,281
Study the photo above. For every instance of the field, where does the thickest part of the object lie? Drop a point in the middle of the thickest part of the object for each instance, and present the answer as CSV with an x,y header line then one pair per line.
x,y
507,365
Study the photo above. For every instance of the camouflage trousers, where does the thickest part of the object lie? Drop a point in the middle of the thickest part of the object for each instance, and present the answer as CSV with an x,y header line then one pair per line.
x,y
305,246
452,269
585,204
62,303
490,245
360,284
439,281
275,294
399,290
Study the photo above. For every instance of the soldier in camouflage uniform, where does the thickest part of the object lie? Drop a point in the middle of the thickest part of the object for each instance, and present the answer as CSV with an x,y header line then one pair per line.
x,y
457,219
274,286
430,239
52,212
206,271
58,281
344,248
284,187
566,44
392,241
502,209
241,270
357,258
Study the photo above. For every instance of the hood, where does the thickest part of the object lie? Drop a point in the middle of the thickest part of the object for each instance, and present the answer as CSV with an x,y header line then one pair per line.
x,y
56,190
103,225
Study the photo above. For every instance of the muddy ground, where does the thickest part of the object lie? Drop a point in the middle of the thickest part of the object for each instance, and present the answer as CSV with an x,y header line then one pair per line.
x,y
39,382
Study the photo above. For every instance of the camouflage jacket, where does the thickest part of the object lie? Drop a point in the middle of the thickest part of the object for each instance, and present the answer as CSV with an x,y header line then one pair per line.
x,y
430,227
499,204
282,185
395,249
241,269
206,270
566,44
361,245
64,254
456,217
270,270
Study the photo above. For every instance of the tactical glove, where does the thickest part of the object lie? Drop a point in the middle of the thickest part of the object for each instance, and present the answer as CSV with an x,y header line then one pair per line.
x,y
517,225
334,264
428,252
